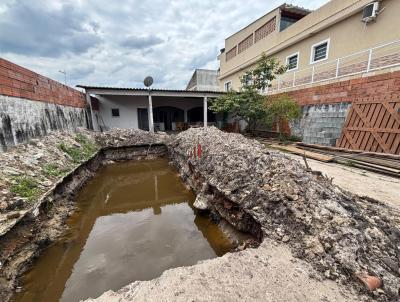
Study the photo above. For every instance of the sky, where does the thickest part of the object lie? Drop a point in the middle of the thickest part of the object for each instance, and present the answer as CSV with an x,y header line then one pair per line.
x,y
118,43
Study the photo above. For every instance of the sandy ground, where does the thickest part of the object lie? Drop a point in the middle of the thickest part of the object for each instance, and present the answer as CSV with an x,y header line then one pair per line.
x,y
268,273
358,181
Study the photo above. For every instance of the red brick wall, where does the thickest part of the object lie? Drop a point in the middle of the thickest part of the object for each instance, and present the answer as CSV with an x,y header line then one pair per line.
x,y
20,82
380,87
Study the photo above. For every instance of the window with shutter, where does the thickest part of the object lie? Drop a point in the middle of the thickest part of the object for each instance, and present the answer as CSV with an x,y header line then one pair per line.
x,y
319,51
292,61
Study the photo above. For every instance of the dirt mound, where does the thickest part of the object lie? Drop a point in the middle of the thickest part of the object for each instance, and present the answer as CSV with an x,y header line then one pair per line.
x,y
127,137
344,236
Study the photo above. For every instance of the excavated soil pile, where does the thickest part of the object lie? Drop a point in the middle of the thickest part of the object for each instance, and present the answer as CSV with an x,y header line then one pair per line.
x,y
345,237
129,137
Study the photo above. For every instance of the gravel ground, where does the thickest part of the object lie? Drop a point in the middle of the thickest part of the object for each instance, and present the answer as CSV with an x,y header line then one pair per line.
x,y
268,273
358,181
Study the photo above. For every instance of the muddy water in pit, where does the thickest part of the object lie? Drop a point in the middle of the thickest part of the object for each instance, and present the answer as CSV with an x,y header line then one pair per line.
x,y
134,220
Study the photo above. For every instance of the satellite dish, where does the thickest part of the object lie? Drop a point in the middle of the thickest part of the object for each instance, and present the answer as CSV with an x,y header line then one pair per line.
x,y
148,81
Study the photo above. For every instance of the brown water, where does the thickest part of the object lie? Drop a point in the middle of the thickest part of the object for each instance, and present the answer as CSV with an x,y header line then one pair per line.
x,y
134,220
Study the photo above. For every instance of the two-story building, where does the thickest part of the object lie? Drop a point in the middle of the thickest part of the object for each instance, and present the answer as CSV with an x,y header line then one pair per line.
x,y
352,42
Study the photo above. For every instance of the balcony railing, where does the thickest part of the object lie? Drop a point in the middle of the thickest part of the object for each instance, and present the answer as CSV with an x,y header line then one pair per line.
x,y
380,57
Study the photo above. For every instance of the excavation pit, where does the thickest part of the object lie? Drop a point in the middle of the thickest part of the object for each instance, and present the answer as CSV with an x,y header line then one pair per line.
x,y
133,221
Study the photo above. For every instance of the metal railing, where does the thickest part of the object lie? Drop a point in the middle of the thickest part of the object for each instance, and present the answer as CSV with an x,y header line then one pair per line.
x,y
379,57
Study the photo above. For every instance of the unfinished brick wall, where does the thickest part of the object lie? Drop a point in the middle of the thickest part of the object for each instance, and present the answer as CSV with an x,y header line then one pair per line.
x,y
32,105
16,81
372,122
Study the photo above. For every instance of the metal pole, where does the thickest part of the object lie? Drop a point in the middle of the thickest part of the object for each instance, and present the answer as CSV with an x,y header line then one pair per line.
x,y
205,111
151,123
65,75
312,75
294,79
337,67
369,60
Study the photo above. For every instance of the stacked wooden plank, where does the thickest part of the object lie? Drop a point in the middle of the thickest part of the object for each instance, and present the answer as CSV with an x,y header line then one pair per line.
x,y
388,164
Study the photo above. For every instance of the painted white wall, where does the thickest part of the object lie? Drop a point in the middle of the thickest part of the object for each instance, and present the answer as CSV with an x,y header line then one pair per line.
x,y
128,106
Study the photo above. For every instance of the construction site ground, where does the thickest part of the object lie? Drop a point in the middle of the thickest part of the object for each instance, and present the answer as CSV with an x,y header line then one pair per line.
x,y
358,181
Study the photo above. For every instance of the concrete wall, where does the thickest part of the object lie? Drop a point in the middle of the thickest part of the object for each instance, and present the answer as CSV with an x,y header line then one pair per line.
x,y
325,107
204,80
32,105
22,119
333,21
321,124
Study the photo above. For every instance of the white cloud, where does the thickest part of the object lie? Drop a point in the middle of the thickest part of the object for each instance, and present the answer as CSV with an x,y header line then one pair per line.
x,y
115,43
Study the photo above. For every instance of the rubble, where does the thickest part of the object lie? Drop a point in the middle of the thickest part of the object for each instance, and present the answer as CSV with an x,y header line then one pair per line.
x,y
127,137
34,204
201,202
350,239
340,234
47,159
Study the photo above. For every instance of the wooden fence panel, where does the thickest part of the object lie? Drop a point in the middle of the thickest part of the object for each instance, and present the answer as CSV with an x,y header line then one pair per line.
x,y
372,126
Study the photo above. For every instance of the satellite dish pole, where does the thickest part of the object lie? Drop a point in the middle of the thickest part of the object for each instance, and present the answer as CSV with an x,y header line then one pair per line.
x,y
148,81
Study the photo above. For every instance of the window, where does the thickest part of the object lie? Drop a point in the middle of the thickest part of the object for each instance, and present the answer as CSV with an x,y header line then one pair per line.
x,y
115,112
320,51
228,86
292,61
287,21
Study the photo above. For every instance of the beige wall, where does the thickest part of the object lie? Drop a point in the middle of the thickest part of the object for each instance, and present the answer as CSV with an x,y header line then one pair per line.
x,y
347,35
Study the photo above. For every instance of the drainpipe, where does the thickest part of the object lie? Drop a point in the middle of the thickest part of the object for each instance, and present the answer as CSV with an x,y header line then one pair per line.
x,y
205,111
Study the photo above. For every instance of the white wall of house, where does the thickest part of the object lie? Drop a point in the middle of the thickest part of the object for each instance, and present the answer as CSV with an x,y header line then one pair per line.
x,y
128,108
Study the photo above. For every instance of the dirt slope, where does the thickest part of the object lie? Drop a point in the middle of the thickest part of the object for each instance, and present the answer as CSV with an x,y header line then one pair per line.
x,y
343,236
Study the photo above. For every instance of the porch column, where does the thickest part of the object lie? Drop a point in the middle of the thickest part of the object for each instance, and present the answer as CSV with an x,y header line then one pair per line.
x,y
94,122
205,111
185,119
151,122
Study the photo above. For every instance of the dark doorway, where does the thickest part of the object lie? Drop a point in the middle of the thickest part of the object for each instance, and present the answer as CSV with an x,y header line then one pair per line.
x,y
195,115
168,115
143,119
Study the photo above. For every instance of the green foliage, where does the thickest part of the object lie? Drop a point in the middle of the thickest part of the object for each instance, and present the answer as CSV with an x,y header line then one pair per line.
x,y
26,187
294,138
248,104
282,109
82,152
263,74
54,170
286,138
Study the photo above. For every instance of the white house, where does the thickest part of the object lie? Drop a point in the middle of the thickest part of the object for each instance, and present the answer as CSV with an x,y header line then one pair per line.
x,y
113,107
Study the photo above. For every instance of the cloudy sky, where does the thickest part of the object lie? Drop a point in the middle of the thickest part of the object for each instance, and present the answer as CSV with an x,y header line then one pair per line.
x,y
118,43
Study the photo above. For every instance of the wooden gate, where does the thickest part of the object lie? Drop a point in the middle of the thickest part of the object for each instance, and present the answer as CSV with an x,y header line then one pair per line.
x,y
372,126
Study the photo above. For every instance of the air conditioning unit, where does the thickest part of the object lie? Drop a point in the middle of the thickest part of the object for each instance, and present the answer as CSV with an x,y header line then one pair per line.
x,y
370,12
